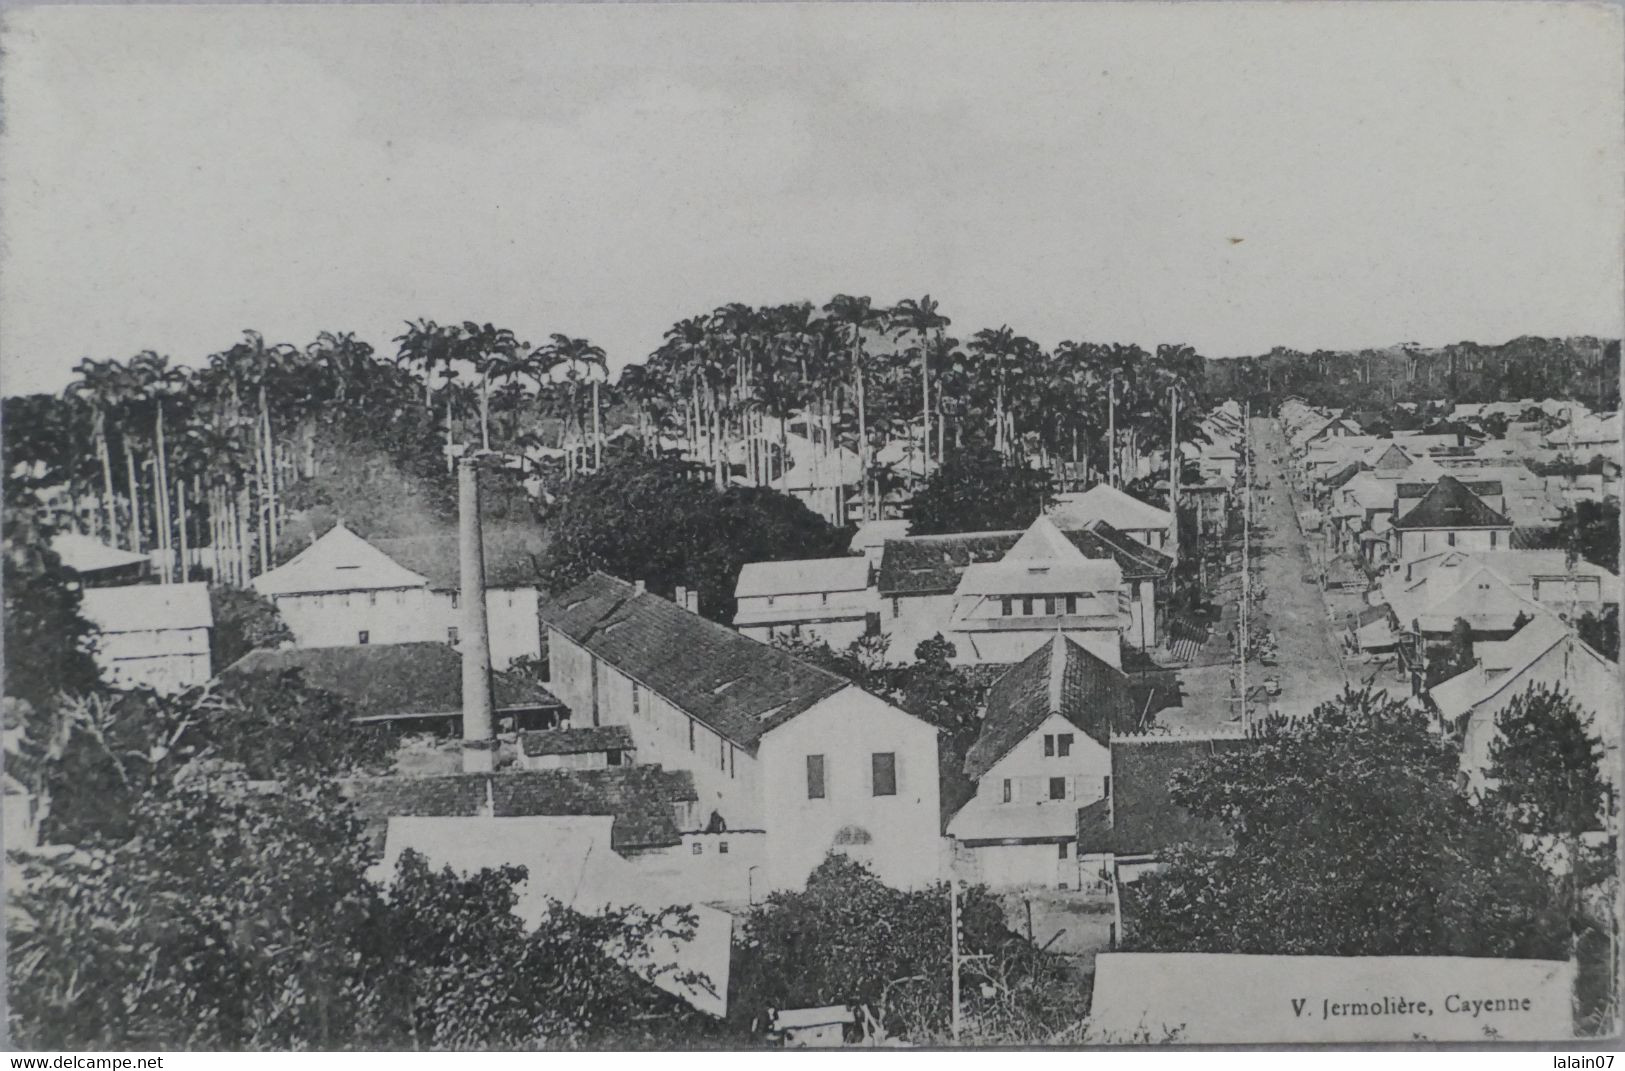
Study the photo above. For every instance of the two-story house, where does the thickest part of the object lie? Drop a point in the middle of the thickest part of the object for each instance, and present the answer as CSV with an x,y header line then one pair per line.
x,y
151,635
1043,752
773,743
826,599
1447,514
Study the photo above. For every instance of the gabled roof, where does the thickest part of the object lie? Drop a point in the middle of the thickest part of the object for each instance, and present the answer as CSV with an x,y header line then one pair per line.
x,y
1140,818
583,741
147,607
1062,678
511,556
1449,504
386,681
737,687
339,561
1499,666
802,577
1103,502
1042,541
642,799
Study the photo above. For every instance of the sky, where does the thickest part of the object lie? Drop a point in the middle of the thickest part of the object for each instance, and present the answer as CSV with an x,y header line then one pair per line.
x,y
1230,176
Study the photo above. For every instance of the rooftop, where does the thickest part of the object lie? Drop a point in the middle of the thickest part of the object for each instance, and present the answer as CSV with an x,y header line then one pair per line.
x,y
511,556
1103,502
586,740
737,687
643,800
1061,678
392,680
147,607
1450,504
802,577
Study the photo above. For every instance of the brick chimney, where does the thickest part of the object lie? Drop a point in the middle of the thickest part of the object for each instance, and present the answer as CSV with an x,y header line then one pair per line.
x,y
479,737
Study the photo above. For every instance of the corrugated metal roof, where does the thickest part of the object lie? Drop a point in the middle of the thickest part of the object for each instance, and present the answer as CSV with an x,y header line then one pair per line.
x,y
802,577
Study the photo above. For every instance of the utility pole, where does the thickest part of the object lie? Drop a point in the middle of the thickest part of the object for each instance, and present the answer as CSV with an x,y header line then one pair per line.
x,y
1246,547
955,955
1111,433
1174,465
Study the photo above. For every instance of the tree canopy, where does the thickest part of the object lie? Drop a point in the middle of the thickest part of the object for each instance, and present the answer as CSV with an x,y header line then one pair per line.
x,y
976,490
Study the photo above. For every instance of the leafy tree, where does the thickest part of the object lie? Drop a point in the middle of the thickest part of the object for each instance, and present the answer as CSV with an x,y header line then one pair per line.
x,y
848,938
975,490
1546,766
1349,837
274,726
244,621
1591,531
1601,631
659,521
939,692
1456,656
48,644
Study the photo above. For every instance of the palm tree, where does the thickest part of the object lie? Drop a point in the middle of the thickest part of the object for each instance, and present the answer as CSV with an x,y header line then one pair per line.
x,y
96,383
853,316
491,350
922,318
576,359
159,382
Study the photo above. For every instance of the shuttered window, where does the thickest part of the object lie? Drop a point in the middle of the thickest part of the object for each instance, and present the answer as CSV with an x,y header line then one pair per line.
x,y
815,777
883,766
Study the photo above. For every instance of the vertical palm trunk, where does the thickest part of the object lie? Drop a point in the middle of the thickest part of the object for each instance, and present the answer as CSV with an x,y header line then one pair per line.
x,y
103,454
597,431
160,478
135,498
925,385
485,409
180,527
863,436
245,560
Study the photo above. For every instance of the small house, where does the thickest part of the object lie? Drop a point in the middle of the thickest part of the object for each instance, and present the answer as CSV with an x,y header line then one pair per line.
x,y
820,599
590,747
151,635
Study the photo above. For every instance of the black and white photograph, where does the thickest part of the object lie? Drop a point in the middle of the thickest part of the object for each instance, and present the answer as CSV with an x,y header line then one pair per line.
x,y
758,526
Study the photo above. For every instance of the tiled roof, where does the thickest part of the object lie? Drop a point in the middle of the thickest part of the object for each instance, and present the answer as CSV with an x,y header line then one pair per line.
x,y
737,687
1058,678
1451,505
511,556
588,738
1140,818
1138,561
392,680
642,799
923,565
1536,537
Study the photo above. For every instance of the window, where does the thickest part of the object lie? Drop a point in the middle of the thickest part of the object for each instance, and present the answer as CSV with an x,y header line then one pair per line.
x,y
451,635
1049,745
883,765
454,597
699,849
363,636
1106,787
691,734
1492,539
372,598
1008,606
770,599
1061,854
1027,606
1071,604
1450,539
896,605
730,762
1049,606
823,598
722,847
614,756
637,699
722,754
815,777
1057,788
1007,790
1063,745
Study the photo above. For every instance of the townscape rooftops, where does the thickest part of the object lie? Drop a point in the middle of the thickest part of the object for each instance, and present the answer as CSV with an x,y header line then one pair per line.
x,y
392,680
926,565
1062,678
1140,818
1103,502
802,577
739,688
147,607
642,799
1450,504
586,740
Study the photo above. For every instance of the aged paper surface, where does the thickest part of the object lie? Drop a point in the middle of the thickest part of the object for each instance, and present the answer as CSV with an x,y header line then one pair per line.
x,y
742,526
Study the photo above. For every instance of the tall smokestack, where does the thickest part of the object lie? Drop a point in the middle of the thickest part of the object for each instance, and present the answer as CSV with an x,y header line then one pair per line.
x,y
479,740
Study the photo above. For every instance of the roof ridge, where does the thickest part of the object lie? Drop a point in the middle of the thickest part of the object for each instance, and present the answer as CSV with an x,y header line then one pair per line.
x,y
1057,670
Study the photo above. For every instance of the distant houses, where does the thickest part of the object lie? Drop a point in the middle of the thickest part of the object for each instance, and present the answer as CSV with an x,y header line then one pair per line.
x,y
824,599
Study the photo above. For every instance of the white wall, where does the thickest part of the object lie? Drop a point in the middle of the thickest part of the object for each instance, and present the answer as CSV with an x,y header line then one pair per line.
x,y
412,615
1028,769
1019,866
1414,543
166,660
1009,646
906,848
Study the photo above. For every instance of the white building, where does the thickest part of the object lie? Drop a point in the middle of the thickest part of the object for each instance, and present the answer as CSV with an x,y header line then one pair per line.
x,y
1103,502
151,635
343,590
826,599
1545,652
1448,515
1043,752
773,744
